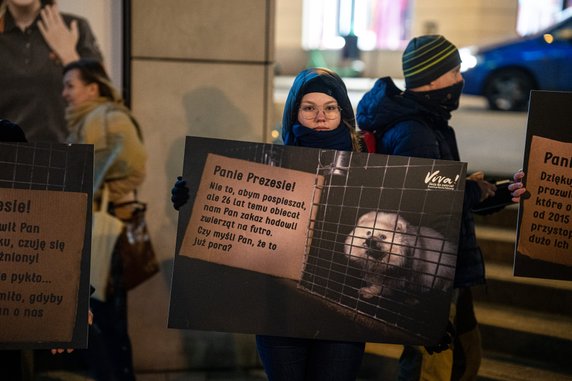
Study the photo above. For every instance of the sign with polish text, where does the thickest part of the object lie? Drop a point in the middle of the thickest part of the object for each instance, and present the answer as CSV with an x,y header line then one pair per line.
x,y
45,222
544,234
304,242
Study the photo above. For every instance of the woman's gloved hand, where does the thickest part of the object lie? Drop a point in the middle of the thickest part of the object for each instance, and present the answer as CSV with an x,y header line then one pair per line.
x,y
445,341
179,193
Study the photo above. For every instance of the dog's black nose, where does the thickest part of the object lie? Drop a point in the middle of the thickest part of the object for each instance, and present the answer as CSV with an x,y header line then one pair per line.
x,y
373,247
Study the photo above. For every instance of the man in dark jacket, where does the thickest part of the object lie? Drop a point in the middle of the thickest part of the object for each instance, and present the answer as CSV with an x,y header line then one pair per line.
x,y
415,123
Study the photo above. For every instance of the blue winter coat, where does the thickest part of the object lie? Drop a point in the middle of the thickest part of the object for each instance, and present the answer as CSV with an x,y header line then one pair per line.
x,y
404,126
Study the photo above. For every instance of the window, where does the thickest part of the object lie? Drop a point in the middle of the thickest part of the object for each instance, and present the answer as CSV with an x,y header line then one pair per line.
x,y
378,24
535,15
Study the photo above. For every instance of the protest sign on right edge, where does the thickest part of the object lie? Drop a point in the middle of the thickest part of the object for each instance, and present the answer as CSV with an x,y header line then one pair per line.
x,y
544,230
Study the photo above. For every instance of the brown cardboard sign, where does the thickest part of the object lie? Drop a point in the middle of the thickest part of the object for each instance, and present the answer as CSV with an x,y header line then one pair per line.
x,y
544,234
251,216
41,245
545,230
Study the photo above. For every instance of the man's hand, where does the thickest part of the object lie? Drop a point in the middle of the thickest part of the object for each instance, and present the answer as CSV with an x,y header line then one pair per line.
x,y
445,342
61,39
487,189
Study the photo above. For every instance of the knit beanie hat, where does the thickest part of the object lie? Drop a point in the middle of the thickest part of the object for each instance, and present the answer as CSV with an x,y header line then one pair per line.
x,y
321,84
426,58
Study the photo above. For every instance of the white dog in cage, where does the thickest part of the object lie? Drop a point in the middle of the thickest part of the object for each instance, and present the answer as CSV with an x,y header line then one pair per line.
x,y
394,254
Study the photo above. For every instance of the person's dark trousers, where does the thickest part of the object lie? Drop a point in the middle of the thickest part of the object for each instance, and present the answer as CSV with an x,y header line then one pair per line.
x,y
297,359
11,365
461,363
467,349
109,354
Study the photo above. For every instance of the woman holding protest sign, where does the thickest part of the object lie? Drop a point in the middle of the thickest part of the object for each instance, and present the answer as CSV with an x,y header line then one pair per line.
x,y
318,114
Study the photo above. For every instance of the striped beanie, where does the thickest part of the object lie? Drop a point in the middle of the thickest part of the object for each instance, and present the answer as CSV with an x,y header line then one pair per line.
x,y
426,58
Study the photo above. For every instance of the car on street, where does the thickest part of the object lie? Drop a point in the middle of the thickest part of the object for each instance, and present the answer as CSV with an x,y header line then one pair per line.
x,y
505,73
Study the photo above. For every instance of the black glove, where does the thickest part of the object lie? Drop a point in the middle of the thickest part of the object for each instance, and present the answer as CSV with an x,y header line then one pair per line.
x,y
179,193
445,341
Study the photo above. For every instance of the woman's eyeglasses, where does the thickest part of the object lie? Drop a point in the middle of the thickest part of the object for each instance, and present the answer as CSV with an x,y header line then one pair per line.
x,y
311,111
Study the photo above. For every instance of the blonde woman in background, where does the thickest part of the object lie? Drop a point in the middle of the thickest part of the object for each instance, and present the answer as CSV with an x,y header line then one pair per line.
x,y
96,115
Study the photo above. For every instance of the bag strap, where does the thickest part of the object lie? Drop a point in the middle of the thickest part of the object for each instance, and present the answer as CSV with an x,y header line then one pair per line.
x,y
139,134
104,203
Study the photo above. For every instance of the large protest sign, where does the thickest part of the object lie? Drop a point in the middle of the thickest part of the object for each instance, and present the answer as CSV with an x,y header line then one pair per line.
x,y
304,242
45,220
544,234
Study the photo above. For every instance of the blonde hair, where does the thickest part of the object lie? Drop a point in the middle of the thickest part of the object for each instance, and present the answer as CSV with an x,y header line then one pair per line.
x,y
356,140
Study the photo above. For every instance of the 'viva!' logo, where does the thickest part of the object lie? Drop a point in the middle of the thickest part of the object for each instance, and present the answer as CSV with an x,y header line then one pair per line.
x,y
436,181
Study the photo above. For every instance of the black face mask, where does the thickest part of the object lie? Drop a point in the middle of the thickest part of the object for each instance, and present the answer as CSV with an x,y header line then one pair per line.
x,y
446,98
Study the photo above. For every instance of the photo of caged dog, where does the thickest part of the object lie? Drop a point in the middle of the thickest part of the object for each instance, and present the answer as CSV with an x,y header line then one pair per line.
x,y
397,256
